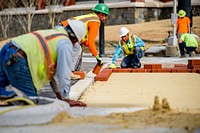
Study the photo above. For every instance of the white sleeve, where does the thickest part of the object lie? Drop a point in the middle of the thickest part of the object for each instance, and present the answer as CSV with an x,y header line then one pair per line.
x,y
63,68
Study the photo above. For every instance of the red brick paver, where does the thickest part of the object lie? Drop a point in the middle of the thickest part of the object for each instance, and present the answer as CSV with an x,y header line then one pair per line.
x,y
193,66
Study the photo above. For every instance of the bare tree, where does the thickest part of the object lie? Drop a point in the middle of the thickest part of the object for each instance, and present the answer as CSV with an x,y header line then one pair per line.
x,y
53,7
5,20
24,16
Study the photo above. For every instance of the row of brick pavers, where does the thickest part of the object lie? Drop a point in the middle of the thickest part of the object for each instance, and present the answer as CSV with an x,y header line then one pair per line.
x,y
193,66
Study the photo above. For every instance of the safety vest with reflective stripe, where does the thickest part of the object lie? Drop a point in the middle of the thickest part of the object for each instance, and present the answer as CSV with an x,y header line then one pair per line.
x,y
41,62
128,47
85,18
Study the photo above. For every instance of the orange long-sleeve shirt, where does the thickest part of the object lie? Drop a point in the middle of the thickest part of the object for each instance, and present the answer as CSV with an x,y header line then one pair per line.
x,y
93,28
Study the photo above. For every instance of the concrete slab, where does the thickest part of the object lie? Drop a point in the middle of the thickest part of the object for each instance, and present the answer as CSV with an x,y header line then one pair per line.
x,y
156,51
100,111
28,115
78,89
86,128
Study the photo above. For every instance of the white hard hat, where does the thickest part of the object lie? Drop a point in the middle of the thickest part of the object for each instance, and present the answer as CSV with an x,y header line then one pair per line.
x,y
123,31
78,28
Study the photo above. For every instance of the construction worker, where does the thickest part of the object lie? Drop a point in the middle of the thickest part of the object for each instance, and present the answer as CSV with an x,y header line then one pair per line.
x,y
92,22
30,61
188,43
131,46
183,23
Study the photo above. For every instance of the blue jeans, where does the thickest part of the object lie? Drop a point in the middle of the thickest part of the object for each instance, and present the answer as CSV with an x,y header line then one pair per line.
x,y
133,61
16,73
183,46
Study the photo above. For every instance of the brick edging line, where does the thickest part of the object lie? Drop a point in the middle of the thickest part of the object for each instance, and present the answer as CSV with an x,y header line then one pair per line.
x,y
193,66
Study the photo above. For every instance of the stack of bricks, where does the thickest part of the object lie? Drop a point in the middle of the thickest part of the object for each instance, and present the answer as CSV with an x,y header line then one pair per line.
x,y
193,66
153,67
180,68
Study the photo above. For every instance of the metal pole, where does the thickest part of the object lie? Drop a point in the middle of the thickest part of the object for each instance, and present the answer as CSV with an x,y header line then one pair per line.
x,y
101,37
174,25
186,6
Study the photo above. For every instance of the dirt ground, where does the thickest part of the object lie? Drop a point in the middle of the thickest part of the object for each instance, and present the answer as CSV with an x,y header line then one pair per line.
x,y
153,33
156,31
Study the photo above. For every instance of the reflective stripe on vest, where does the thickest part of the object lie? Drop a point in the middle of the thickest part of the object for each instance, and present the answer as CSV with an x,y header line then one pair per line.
x,y
46,51
127,50
55,35
85,19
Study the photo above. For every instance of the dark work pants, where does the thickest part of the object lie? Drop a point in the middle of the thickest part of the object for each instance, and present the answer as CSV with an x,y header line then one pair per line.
x,y
133,61
183,47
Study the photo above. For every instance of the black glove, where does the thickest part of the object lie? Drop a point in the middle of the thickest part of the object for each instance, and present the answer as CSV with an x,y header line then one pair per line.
x,y
99,60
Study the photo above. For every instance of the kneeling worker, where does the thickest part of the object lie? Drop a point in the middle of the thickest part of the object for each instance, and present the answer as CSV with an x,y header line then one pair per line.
x,y
188,43
30,61
132,47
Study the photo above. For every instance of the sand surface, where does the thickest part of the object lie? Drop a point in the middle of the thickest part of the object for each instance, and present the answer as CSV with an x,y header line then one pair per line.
x,y
139,89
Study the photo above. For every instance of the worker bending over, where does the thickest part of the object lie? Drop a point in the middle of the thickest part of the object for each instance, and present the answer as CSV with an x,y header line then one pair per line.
x,y
187,43
30,61
92,23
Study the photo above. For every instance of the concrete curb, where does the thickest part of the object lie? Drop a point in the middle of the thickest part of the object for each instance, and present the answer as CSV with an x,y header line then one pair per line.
x,y
101,111
79,88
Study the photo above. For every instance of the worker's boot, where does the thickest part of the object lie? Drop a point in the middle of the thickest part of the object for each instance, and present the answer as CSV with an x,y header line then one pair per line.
x,y
5,94
74,76
192,54
182,56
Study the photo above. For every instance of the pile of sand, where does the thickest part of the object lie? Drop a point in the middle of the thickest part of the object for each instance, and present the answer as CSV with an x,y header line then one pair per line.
x,y
186,120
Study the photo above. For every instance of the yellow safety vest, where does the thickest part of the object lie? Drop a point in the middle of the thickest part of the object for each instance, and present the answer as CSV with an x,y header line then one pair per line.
x,y
40,49
129,48
86,18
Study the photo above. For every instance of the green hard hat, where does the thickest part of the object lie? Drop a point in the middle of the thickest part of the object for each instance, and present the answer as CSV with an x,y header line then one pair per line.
x,y
181,13
103,8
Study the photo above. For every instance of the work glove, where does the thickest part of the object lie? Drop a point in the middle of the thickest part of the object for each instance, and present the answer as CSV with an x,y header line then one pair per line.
x,y
112,66
99,60
130,45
